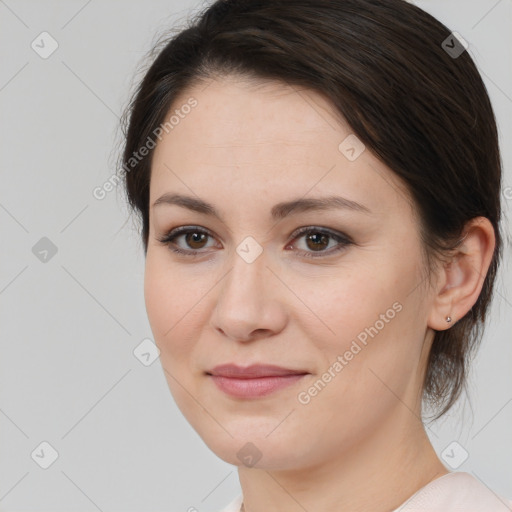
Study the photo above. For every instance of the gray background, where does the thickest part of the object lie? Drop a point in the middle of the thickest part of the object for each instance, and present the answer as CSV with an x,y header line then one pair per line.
x,y
70,325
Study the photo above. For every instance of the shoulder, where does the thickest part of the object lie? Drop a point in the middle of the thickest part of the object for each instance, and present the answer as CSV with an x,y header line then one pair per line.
x,y
456,492
453,492
234,505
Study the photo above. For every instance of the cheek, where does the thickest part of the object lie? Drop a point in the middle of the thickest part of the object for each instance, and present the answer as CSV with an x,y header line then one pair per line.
x,y
365,366
348,303
159,297
169,297
369,320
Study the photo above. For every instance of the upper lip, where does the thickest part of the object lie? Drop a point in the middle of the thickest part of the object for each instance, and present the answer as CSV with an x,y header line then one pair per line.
x,y
253,371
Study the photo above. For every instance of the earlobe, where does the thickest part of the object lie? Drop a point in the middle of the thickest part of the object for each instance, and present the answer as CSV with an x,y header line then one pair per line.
x,y
462,278
442,315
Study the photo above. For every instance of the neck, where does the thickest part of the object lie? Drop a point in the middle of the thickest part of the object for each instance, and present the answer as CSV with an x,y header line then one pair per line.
x,y
377,474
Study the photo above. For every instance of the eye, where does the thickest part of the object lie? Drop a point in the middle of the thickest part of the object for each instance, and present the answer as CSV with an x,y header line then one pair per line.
x,y
194,237
316,241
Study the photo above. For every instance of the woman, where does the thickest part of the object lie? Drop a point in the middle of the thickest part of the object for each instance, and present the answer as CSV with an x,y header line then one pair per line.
x,y
319,188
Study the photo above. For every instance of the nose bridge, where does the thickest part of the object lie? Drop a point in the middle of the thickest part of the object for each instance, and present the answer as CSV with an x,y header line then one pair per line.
x,y
248,274
245,302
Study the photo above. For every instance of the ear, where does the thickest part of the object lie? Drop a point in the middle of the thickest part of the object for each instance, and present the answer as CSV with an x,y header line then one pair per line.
x,y
461,279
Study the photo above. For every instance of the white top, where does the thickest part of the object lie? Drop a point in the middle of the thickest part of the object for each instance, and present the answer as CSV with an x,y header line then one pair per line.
x,y
454,492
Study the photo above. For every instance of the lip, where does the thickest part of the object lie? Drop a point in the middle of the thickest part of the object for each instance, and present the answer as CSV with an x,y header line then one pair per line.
x,y
253,371
253,381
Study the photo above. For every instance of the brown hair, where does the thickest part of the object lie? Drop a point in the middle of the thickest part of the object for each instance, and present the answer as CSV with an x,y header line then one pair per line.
x,y
387,68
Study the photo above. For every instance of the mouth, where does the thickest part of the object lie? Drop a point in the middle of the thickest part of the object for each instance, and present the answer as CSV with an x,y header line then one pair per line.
x,y
253,381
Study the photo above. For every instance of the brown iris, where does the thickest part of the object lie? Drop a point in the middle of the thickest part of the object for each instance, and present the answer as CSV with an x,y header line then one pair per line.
x,y
317,238
195,237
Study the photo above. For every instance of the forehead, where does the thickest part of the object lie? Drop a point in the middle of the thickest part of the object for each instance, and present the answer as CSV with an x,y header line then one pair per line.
x,y
238,116
267,136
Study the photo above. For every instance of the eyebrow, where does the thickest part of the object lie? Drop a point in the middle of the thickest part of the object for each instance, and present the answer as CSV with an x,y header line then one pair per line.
x,y
279,211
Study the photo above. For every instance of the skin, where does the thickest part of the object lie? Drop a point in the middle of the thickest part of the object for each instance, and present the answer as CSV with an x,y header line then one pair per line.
x,y
359,444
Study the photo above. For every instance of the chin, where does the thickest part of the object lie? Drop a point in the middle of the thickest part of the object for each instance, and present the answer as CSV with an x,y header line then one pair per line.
x,y
257,454
250,444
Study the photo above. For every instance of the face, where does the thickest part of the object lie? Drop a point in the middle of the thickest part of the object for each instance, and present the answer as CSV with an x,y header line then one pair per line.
x,y
335,292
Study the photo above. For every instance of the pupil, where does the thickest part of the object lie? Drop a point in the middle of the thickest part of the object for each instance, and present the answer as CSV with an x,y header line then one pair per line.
x,y
195,235
315,238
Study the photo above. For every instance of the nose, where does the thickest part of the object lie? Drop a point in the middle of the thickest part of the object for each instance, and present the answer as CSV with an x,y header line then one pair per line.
x,y
250,302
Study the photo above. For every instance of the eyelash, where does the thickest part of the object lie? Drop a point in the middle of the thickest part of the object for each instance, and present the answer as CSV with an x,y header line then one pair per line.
x,y
344,241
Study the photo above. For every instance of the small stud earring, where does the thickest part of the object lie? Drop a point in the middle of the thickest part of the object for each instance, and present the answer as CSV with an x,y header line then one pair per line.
x,y
448,319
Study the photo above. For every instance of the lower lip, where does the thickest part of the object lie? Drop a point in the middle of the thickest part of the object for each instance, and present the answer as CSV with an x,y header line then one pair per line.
x,y
246,388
